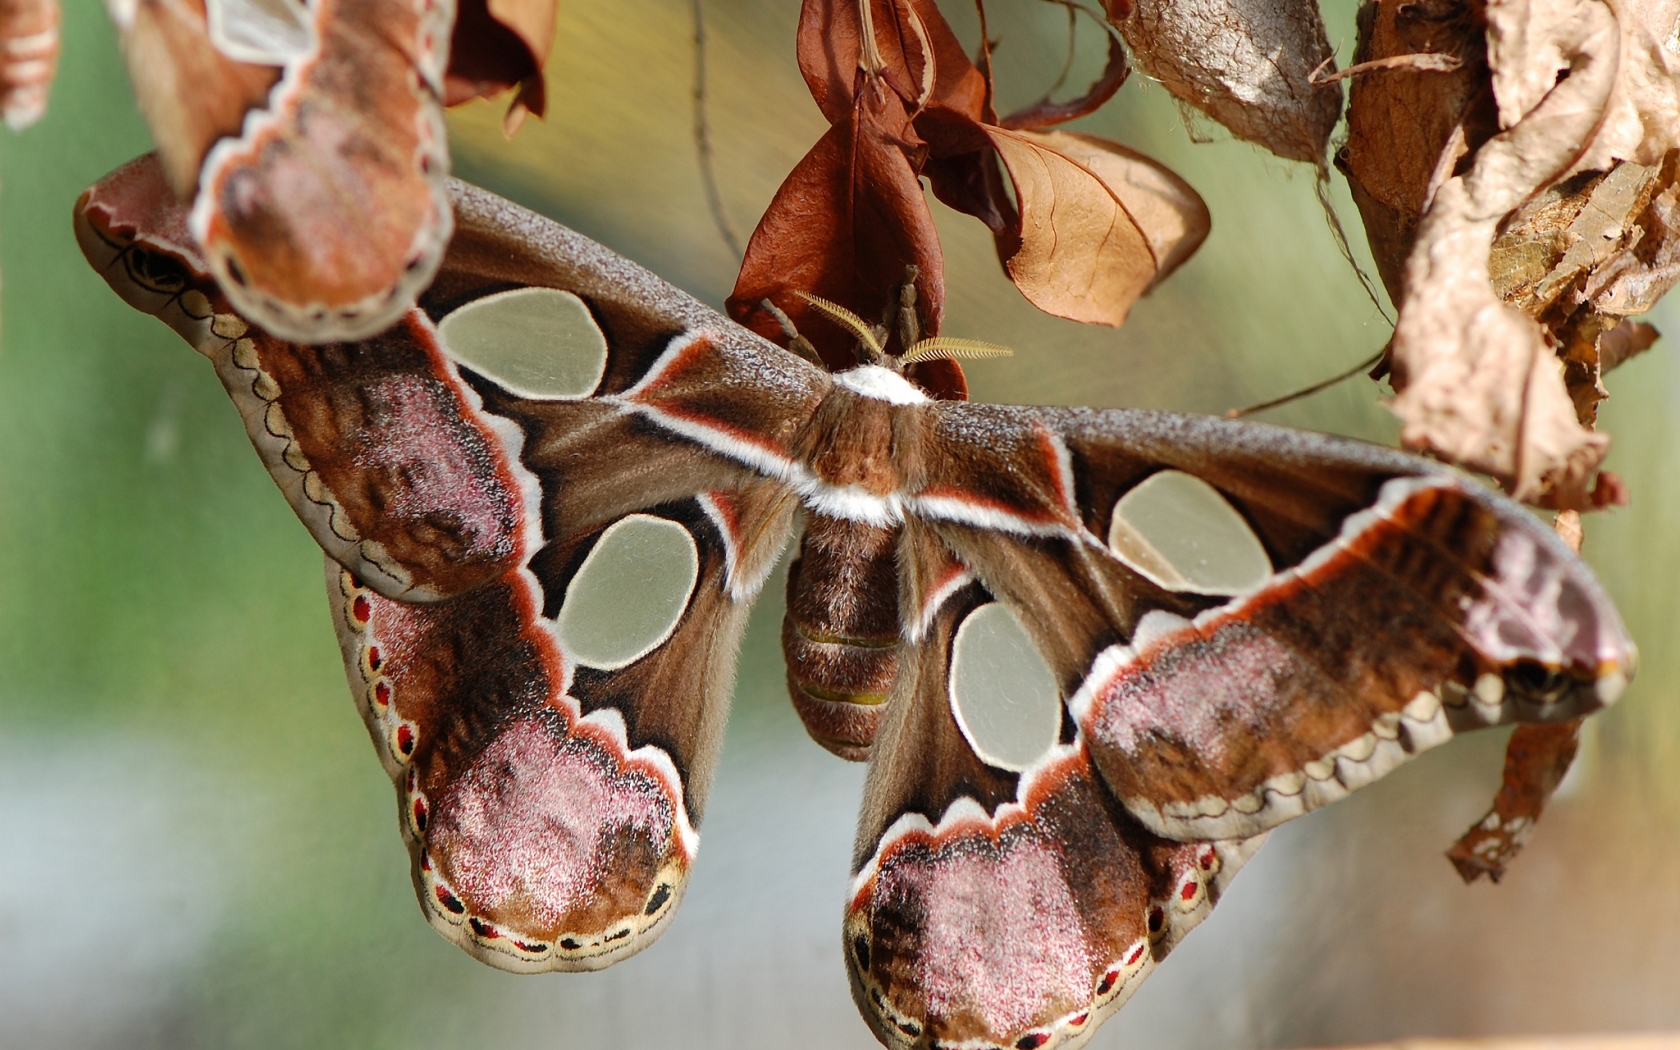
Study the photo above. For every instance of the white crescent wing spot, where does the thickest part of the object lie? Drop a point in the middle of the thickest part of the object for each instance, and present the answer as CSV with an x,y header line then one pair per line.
x,y
1178,531
538,343
629,593
1003,694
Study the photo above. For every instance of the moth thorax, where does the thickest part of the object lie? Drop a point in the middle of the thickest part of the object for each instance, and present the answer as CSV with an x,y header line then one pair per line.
x,y
881,384
850,442
841,632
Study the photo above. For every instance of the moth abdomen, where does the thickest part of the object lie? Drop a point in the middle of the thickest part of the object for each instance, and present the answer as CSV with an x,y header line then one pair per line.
x,y
841,634
842,720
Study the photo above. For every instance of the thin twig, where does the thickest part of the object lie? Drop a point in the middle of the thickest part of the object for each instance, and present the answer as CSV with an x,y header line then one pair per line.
x,y
1422,62
1090,12
703,136
1322,189
1363,366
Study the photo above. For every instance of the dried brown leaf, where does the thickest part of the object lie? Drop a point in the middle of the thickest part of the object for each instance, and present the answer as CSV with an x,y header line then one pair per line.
x,y
1532,42
1583,254
904,99
852,217
1045,113
1479,383
1628,339
1580,250
908,35
1099,224
1399,121
1632,281
531,20
1245,63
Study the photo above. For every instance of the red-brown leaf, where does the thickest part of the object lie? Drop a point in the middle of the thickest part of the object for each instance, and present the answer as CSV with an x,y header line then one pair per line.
x,y
829,48
972,183
844,225
1045,113
499,44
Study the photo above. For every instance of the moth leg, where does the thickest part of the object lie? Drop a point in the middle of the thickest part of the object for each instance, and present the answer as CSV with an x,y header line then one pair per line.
x,y
796,342
907,321
1536,759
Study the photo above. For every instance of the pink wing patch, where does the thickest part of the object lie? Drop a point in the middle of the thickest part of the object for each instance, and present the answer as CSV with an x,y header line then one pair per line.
x,y
523,828
541,840
377,445
1024,928
1436,610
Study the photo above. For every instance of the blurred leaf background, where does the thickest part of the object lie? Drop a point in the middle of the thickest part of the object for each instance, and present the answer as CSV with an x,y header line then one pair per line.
x,y
198,849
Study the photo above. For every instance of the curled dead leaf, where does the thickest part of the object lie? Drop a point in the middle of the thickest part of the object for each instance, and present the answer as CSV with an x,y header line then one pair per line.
x,y
1045,112
1247,64
1555,135
1583,255
843,226
1531,43
1631,280
904,99
1628,339
1479,383
1098,224
851,216
1089,227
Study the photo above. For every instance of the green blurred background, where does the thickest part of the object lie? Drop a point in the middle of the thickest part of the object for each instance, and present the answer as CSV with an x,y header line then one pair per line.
x,y
198,848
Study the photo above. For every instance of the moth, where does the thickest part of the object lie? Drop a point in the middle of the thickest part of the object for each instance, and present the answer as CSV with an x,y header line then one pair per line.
x,y
1091,656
